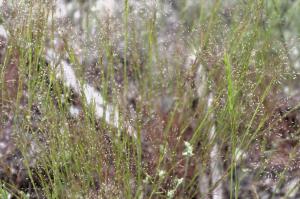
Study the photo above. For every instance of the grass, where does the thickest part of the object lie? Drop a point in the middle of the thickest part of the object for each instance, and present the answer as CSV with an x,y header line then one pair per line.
x,y
147,68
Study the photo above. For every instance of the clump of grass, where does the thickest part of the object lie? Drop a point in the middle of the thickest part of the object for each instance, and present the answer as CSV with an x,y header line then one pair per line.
x,y
170,139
